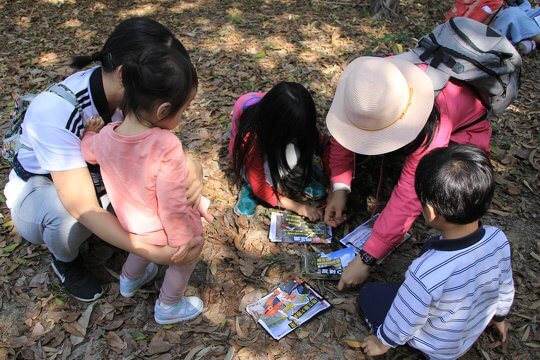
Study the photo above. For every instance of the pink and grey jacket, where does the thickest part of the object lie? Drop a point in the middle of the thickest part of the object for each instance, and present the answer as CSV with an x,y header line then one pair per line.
x,y
459,107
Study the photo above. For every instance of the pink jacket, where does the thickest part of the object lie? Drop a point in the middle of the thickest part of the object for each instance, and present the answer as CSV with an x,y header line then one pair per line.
x,y
145,178
458,106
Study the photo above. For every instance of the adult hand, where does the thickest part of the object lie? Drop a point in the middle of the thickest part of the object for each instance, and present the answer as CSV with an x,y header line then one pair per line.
x,y
94,124
188,253
334,213
373,346
354,274
194,181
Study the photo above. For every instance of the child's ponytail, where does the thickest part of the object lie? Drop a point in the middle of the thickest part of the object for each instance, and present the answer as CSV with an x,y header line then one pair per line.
x,y
130,38
79,62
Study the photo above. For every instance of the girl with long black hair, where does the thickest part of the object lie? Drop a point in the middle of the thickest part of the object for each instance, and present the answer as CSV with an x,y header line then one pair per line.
x,y
273,142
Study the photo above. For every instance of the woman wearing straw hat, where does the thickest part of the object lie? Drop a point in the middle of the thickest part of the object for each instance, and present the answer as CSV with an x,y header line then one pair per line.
x,y
384,105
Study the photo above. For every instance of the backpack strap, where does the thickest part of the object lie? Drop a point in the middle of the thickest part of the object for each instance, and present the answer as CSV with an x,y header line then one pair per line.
x,y
65,93
438,78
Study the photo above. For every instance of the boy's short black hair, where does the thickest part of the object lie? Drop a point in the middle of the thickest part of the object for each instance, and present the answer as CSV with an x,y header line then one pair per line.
x,y
457,181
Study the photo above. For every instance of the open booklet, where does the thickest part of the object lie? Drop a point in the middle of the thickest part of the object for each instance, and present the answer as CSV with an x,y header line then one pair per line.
x,y
287,307
293,228
327,266
358,237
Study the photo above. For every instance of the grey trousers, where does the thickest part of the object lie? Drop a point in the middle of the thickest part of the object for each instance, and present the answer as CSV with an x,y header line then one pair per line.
x,y
40,218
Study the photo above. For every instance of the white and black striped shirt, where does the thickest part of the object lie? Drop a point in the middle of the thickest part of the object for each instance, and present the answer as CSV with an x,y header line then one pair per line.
x,y
451,293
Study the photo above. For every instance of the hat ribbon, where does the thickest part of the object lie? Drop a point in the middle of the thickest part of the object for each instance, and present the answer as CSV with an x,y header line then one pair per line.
x,y
400,116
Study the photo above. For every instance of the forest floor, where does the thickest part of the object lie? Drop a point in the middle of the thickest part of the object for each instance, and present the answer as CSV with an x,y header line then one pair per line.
x,y
239,47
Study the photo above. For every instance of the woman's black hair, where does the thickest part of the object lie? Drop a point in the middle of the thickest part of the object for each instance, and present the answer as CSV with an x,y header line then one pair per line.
x,y
155,76
286,114
426,135
457,181
130,38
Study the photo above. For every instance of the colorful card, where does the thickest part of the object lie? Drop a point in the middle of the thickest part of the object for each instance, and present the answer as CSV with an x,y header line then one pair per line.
x,y
292,228
288,307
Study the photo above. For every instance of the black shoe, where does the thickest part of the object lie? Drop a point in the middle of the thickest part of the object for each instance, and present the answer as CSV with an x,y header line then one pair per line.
x,y
78,281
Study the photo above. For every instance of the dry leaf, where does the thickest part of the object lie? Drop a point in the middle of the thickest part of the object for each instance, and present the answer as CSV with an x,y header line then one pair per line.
x,y
17,342
353,343
246,266
114,342
158,345
192,352
38,330
75,328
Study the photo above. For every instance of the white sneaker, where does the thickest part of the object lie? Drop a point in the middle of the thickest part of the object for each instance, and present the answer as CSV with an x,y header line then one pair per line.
x,y
129,287
189,307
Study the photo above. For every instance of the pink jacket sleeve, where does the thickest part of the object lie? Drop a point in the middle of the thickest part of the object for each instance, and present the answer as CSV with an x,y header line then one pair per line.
x,y
457,105
171,196
88,145
341,163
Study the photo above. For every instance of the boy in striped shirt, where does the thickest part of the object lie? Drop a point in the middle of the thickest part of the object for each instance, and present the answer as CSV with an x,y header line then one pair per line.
x,y
462,281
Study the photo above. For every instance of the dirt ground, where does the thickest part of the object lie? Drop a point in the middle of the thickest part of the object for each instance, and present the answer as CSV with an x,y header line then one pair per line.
x,y
238,47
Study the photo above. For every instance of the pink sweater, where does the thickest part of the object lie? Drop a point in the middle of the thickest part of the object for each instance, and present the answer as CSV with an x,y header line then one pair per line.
x,y
459,106
145,179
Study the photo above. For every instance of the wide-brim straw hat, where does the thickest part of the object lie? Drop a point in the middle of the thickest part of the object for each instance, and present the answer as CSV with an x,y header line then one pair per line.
x,y
380,105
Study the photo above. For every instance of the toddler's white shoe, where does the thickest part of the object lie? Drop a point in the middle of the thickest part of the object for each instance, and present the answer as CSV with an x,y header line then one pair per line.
x,y
129,287
189,307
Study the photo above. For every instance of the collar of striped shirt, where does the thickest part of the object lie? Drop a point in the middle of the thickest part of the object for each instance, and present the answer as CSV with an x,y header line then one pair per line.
x,y
438,243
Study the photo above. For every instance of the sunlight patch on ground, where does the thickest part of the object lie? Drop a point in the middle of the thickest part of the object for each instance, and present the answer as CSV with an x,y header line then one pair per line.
x,y
98,6
72,23
143,10
58,2
183,6
47,59
85,34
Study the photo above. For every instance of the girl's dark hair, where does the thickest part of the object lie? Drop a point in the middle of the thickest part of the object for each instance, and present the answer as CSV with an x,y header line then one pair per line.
x,y
457,181
286,114
426,135
130,38
155,76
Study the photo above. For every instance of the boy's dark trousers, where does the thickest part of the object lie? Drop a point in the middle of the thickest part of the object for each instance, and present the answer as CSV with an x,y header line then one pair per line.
x,y
374,302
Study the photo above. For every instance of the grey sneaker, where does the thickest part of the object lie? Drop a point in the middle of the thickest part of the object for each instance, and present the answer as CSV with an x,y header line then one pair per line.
x,y
129,287
189,307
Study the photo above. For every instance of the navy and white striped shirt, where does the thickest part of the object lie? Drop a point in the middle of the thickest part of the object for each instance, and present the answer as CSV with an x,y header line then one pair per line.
x,y
451,293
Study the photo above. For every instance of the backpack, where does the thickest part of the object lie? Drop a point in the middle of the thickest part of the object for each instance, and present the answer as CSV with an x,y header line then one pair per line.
x,y
472,52
479,10
11,142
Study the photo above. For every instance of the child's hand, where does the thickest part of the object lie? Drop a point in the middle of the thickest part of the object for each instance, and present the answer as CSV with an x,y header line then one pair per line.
x,y
501,327
94,124
373,346
311,212
354,274
189,252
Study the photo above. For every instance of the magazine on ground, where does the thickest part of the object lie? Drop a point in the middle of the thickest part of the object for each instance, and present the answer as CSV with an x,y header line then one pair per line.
x,y
287,307
358,237
292,228
326,266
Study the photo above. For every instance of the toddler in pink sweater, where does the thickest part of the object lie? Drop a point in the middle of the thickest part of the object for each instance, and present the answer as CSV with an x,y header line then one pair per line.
x,y
144,171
